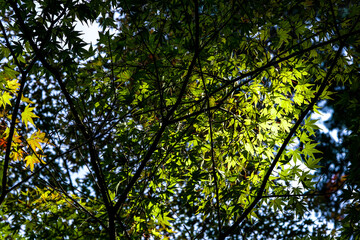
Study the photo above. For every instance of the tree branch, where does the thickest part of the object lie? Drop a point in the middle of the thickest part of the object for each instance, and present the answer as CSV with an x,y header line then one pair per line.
x,y
282,148
14,114
87,135
164,124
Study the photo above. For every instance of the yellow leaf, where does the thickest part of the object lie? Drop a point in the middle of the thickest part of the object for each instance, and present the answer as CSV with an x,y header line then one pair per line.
x,y
27,116
32,159
16,139
25,99
35,140
17,155
5,99
156,233
34,143
13,85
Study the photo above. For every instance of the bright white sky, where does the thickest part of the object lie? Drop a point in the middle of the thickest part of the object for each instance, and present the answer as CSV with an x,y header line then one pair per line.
x,y
90,33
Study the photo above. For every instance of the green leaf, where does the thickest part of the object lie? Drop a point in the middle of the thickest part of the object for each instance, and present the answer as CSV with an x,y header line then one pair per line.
x,y
163,219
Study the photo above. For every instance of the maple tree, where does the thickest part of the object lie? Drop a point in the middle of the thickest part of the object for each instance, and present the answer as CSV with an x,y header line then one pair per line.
x,y
187,119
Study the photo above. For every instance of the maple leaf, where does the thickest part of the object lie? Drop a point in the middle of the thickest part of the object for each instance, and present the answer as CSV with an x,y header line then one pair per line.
x,y
32,159
35,140
17,155
164,219
5,99
13,85
3,142
16,139
25,99
34,143
27,115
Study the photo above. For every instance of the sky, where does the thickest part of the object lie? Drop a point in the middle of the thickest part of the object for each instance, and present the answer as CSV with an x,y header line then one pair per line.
x,y
90,32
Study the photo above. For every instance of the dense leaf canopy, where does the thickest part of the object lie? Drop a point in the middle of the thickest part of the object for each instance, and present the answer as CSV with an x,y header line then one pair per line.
x,y
187,119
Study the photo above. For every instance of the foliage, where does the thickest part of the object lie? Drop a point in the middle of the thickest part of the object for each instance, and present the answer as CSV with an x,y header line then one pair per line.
x,y
187,119
340,160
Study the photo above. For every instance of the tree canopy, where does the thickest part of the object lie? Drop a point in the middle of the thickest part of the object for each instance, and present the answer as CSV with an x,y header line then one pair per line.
x,y
187,119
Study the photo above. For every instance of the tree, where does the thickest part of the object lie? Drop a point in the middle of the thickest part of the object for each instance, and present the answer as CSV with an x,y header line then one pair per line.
x,y
188,119
341,160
